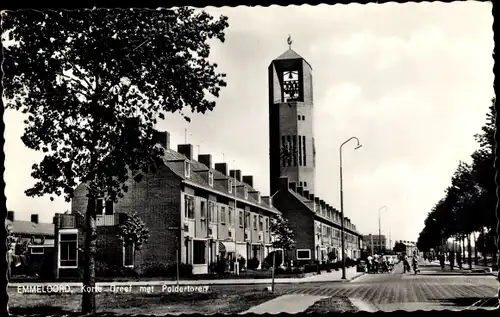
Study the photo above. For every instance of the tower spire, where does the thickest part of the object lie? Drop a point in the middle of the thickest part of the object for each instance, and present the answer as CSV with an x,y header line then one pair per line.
x,y
289,41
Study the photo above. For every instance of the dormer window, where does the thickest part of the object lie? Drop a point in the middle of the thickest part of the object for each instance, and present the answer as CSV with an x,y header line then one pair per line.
x,y
230,186
258,199
187,169
245,191
211,178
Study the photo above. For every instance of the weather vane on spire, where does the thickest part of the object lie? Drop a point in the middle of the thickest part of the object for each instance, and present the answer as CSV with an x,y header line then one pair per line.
x,y
289,41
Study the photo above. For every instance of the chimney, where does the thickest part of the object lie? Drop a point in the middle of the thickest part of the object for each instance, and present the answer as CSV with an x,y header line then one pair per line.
x,y
186,150
34,218
322,203
300,190
266,199
311,197
327,209
284,183
292,186
221,168
10,215
235,174
306,194
205,159
248,180
162,138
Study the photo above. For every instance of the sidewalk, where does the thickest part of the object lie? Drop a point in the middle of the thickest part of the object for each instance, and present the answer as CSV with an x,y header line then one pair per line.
x,y
297,303
476,269
334,276
290,304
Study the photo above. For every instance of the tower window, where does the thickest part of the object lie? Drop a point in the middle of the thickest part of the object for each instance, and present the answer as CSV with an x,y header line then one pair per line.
x,y
291,85
305,184
299,117
304,149
303,118
300,183
289,147
300,151
294,150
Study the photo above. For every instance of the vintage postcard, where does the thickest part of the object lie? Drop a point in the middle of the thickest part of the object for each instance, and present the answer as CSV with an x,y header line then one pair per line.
x,y
329,158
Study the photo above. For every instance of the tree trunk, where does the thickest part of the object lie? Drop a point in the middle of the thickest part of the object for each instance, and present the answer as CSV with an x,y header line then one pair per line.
x,y
476,260
88,300
463,248
485,253
469,251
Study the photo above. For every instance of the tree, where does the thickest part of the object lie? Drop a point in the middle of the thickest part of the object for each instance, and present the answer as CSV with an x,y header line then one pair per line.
x,y
134,231
283,236
93,84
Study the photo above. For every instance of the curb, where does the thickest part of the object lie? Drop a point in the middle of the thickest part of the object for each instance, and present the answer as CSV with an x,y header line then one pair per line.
x,y
357,276
362,305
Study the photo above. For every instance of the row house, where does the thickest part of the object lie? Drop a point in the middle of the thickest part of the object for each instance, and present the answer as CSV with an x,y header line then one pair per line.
x,y
191,208
316,224
39,235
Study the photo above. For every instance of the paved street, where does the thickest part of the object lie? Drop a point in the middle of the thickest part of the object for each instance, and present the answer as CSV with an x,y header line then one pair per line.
x,y
428,291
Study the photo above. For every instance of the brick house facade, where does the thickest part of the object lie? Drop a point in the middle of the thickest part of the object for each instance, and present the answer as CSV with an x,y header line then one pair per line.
x,y
316,225
187,205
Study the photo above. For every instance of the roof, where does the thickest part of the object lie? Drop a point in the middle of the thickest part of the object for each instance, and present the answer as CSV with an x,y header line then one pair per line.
x,y
291,54
306,201
31,228
196,179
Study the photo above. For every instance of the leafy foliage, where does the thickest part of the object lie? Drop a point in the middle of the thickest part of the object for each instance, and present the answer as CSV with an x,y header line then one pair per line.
x,y
134,231
469,202
282,234
93,84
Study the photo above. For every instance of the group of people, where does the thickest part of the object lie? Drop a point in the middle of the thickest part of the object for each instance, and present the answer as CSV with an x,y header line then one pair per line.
x,y
406,264
379,264
451,259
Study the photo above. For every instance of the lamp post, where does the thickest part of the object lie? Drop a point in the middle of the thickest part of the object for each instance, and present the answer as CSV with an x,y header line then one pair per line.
x,y
342,202
379,230
176,251
274,249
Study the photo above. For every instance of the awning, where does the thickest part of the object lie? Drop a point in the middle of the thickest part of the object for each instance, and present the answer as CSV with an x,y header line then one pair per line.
x,y
226,247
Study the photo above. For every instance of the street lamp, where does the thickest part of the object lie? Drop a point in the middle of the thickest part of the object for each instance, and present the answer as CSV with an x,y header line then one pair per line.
x,y
379,231
342,202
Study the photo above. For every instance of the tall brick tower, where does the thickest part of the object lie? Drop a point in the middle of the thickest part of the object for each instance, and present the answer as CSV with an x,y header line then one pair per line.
x,y
291,121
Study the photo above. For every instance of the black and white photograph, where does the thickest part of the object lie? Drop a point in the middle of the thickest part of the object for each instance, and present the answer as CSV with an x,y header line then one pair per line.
x,y
280,159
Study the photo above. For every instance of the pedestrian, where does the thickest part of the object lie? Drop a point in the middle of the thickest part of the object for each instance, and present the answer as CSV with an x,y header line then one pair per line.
x,y
369,264
451,257
441,260
459,260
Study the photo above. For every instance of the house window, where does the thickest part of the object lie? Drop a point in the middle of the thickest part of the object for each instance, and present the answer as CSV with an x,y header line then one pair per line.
x,y
261,223
203,207
267,224
68,250
211,212
188,207
230,186
109,208
305,184
303,254
300,183
245,191
128,254
247,220
254,222
303,118
187,169
37,250
223,215
211,179
241,218
99,208
230,216
199,252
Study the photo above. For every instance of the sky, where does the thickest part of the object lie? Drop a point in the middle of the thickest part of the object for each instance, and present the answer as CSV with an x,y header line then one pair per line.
x,y
412,81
